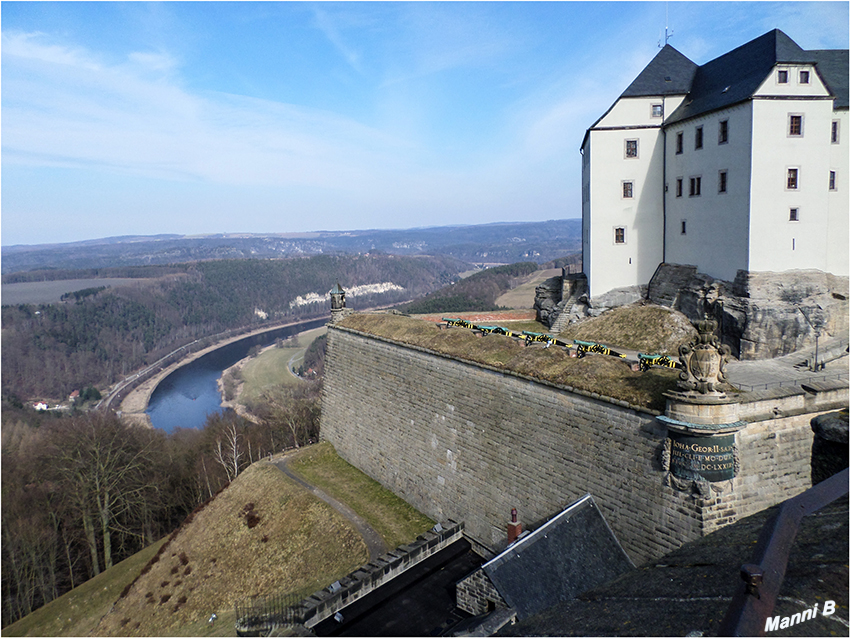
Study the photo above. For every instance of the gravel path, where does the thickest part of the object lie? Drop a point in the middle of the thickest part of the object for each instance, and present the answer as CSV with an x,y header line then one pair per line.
x,y
373,540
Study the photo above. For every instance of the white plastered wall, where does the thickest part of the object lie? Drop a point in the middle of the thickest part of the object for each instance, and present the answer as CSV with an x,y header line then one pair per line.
x,y
776,242
605,168
838,224
716,239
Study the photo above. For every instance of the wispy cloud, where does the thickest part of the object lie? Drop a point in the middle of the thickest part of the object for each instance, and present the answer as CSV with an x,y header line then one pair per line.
x,y
118,117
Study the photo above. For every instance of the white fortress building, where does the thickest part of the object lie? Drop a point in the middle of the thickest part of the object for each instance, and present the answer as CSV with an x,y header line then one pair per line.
x,y
738,164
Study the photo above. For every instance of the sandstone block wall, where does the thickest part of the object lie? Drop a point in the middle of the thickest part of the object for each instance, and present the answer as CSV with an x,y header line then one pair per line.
x,y
463,442
476,594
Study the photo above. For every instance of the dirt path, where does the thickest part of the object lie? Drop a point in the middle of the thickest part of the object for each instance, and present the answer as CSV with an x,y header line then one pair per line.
x,y
373,540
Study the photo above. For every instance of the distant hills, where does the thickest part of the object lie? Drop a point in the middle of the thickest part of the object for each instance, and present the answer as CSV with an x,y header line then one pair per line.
x,y
485,243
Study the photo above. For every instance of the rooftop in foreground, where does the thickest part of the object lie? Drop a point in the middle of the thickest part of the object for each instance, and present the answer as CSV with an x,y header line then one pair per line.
x,y
690,590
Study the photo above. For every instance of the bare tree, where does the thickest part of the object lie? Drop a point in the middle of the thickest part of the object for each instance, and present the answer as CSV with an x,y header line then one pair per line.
x,y
227,451
102,465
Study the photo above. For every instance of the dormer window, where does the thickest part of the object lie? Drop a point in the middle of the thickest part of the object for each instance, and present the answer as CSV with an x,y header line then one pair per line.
x,y
804,77
782,77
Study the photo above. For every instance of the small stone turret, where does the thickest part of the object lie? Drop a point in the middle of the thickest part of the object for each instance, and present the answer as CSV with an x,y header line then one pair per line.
x,y
338,309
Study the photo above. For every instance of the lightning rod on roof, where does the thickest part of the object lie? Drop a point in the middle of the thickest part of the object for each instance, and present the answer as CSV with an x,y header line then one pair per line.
x,y
667,32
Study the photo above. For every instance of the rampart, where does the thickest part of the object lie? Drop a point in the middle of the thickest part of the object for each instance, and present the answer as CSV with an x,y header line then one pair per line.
x,y
466,442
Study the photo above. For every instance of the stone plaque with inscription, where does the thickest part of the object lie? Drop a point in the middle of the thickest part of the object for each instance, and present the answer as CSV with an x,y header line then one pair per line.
x,y
702,457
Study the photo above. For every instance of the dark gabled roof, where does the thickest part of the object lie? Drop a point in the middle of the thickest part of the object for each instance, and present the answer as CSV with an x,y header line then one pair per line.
x,y
690,588
833,67
669,73
735,76
569,554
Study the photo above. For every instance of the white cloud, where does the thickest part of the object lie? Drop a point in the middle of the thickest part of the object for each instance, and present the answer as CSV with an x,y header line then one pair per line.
x,y
117,118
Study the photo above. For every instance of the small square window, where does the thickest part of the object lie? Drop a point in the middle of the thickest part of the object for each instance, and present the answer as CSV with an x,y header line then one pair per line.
x,y
631,148
793,179
804,77
794,215
657,110
679,187
782,77
695,186
832,185
620,235
698,137
684,227
795,125
628,190
834,133
723,132
721,182
680,137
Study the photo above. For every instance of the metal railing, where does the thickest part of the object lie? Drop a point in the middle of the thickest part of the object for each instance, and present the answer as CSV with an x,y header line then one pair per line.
x,y
762,578
268,611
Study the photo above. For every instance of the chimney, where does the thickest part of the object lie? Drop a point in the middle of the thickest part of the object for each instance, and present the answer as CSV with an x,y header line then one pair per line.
x,y
514,527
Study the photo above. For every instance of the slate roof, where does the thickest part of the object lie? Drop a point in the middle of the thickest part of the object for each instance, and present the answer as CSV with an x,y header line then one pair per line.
x,y
833,65
690,589
571,553
669,73
735,76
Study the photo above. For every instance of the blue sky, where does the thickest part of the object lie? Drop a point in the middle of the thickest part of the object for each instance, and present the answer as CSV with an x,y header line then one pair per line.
x,y
123,118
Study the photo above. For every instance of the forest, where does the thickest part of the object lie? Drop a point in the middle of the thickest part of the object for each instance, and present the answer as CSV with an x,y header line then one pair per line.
x,y
476,292
82,492
97,337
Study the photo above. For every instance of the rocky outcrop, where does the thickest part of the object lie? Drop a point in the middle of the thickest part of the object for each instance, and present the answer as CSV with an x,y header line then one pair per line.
x,y
615,299
829,446
561,300
761,315
547,296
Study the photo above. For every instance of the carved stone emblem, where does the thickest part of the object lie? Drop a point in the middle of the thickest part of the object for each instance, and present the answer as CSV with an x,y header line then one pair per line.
x,y
704,361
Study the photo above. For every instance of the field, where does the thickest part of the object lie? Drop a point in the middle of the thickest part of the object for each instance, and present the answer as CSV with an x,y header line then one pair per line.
x,y
47,292
523,295
271,369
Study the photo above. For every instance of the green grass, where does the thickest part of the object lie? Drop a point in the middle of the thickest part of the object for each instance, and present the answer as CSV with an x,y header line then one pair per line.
x,y
395,520
270,369
78,612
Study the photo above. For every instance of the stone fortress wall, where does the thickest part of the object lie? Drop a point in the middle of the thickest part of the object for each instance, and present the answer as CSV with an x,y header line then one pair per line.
x,y
466,442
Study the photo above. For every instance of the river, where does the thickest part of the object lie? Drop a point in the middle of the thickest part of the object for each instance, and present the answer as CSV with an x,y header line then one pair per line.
x,y
188,395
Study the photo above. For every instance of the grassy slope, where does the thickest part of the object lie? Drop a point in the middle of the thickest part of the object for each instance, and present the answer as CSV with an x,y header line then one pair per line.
x,y
395,520
648,329
78,612
523,295
605,375
215,559
270,369
299,545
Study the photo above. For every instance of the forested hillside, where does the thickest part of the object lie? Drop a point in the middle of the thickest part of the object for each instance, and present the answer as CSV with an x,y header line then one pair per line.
x,y
476,292
81,493
51,350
